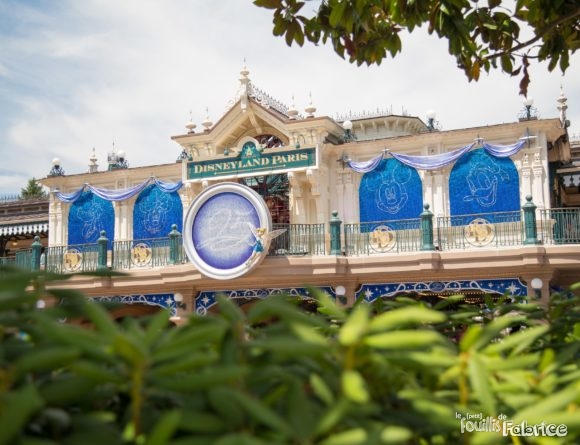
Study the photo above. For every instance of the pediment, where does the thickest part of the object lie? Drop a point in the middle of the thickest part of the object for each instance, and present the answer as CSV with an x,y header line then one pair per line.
x,y
243,119
252,121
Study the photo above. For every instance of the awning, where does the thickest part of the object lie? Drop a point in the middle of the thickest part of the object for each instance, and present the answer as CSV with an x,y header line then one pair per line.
x,y
24,229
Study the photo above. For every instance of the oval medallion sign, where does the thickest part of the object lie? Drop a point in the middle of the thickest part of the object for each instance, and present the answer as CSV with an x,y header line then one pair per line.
x,y
224,228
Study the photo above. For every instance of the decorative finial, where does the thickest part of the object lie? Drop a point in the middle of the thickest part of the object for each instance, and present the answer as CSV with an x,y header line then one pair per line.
x,y
292,111
310,109
244,72
93,166
244,90
207,123
190,125
563,106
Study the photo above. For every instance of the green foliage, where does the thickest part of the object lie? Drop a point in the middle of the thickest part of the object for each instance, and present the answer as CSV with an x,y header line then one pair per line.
x,y
392,374
32,190
479,34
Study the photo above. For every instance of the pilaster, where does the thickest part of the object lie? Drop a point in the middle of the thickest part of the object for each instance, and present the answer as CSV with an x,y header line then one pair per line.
x,y
537,182
298,213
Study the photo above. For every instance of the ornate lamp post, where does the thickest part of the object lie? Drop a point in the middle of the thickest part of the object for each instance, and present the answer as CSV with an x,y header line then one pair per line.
x,y
56,169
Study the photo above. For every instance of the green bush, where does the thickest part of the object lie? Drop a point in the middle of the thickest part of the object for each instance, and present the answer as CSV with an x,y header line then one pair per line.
x,y
401,373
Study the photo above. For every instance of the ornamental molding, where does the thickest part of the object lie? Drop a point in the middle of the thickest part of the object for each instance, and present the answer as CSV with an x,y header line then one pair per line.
x,y
23,229
165,301
510,286
207,299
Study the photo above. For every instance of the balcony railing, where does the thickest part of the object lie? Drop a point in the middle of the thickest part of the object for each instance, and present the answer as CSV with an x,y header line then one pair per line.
x,y
489,230
559,226
500,229
68,259
382,237
298,239
493,230
154,252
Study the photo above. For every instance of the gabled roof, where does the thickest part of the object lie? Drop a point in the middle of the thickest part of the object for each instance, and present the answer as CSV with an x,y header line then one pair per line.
x,y
251,120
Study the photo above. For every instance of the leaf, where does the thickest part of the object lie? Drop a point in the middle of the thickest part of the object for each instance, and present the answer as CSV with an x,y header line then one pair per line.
x,y
549,405
309,334
221,400
298,34
404,339
156,326
131,349
67,390
392,435
185,363
494,329
517,342
475,69
336,13
203,422
48,359
525,80
349,437
101,319
289,347
327,306
189,338
164,428
321,389
22,403
355,326
517,362
452,299
405,316
332,416
203,380
262,413
354,387
229,310
231,439
480,381
269,4
300,412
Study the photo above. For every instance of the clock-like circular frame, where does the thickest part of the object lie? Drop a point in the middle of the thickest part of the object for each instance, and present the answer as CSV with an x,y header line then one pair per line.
x,y
219,227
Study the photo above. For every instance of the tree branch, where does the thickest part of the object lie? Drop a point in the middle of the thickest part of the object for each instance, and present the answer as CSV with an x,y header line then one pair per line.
x,y
539,36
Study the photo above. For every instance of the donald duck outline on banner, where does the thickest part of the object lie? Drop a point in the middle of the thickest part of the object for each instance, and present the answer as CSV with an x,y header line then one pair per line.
x,y
262,241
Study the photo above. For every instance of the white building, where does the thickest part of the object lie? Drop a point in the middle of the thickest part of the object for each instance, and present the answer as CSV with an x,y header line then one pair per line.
x,y
419,210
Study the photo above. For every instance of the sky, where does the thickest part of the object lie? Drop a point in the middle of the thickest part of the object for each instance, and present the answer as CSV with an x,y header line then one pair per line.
x,y
77,75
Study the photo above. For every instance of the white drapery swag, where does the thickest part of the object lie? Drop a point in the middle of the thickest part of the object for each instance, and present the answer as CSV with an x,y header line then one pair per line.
x,y
433,162
121,194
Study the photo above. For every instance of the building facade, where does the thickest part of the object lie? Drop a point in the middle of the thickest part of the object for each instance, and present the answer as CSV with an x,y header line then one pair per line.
x,y
368,206
20,221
